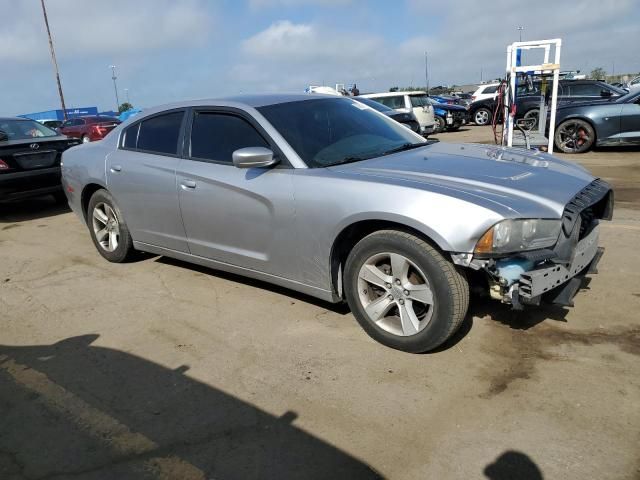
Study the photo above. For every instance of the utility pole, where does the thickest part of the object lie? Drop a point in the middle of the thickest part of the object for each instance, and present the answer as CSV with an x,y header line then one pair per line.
x,y
126,93
55,62
115,86
480,74
520,28
426,70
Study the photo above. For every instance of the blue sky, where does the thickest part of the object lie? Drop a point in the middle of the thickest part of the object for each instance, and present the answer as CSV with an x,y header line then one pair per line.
x,y
168,50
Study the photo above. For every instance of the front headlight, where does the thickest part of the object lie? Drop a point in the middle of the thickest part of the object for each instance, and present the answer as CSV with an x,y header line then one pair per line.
x,y
512,236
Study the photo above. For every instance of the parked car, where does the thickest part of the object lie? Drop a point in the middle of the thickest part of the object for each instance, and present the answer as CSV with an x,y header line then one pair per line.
x,y
90,128
485,91
30,159
409,102
528,101
319,195
449,116
406,119
580,126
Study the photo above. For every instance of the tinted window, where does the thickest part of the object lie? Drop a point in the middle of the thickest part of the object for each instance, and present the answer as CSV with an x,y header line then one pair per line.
x,y
131,136
330,131
373,104
23,129
420,100
215,136
160,134
492,89
585,89
392,102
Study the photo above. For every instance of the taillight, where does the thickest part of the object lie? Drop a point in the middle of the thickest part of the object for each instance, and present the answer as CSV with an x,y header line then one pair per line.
x,y
3,165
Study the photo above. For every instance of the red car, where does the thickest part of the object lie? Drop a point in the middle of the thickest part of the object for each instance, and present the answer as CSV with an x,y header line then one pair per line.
x,y
88,129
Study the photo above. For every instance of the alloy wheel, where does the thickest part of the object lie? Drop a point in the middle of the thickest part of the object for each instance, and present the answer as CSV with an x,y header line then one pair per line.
x,y
573,137
395,294
481,117
106,226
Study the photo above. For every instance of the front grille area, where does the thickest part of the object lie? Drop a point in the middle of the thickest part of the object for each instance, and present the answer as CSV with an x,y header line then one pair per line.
x,y
592,202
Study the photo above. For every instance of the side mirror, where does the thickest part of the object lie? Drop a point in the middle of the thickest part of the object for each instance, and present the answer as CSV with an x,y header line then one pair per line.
x,y
3,136
605,93
253,157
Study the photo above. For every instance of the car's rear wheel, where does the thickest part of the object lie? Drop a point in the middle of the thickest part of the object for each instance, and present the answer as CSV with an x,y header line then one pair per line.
x,y
574,136
108,230
403,292
482,116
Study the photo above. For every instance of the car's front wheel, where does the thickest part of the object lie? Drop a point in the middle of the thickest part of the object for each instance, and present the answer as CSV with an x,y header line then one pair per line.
x,y
403,292
482,116
574,136
440,124
108,230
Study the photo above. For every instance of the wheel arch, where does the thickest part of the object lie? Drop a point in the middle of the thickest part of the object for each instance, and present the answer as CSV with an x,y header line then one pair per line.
x,y
87,192
351,234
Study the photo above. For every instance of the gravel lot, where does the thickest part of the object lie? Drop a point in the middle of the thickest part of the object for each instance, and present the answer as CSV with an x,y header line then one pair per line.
x,y
161,369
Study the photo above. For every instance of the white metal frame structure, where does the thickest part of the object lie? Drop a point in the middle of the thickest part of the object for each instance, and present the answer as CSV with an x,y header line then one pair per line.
x,y
545,68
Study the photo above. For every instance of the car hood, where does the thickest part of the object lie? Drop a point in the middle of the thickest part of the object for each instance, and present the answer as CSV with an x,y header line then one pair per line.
x,y
508,180
448,106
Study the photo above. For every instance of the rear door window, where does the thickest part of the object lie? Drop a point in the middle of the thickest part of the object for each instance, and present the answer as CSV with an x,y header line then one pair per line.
x,y
585,90
215,136
160,134
491,89
392,102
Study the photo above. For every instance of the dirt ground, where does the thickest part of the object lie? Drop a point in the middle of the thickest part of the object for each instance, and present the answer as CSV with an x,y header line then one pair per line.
x,y
161,369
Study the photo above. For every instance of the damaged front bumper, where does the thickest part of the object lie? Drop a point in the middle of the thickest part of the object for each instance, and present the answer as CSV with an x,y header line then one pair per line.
x,y
558,283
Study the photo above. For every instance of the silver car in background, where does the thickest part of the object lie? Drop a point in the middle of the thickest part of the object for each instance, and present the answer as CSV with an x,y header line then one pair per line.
x,y
328,197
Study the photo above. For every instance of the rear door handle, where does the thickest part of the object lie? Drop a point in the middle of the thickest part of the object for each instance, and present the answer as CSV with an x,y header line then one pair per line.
x,y
188,184
116,168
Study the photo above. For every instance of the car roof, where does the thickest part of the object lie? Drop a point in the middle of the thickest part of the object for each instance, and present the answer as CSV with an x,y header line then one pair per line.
x,y
4,119
394,94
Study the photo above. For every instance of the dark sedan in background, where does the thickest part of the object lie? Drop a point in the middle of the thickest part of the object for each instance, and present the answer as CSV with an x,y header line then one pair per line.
x,y
580,126
407,119
30,159
528,101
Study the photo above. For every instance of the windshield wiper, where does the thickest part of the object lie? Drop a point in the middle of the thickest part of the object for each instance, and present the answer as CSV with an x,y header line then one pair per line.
x,y
349,160
403,147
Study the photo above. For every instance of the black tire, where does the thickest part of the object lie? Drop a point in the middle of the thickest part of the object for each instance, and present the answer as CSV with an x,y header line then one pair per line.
x,y
124,251
533,113
440,124
482,116
574,136
448,286
454,127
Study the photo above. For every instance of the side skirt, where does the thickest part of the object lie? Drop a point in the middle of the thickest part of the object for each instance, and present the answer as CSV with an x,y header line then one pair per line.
x,y
320,293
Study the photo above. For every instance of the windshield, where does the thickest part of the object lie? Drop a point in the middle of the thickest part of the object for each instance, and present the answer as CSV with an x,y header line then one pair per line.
x,y
24,129
629,97
331,131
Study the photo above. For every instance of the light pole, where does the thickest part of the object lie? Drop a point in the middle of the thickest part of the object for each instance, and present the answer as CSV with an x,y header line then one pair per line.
x,y
55,62
126,94
520,28
115,86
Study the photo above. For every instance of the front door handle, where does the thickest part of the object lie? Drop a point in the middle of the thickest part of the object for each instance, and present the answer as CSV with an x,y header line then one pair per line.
x,y
116,168
188,184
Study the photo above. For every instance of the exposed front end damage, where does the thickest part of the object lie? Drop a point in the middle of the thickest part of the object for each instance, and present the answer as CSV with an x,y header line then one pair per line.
x,y
552,275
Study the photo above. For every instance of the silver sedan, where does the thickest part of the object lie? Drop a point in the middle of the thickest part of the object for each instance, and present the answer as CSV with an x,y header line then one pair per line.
x,y
328,197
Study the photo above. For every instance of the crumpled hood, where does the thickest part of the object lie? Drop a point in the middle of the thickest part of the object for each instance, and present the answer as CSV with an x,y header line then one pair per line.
x,y
519,180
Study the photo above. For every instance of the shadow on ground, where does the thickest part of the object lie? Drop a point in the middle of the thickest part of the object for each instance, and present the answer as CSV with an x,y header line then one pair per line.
x,y
31,209
513,465
73,410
